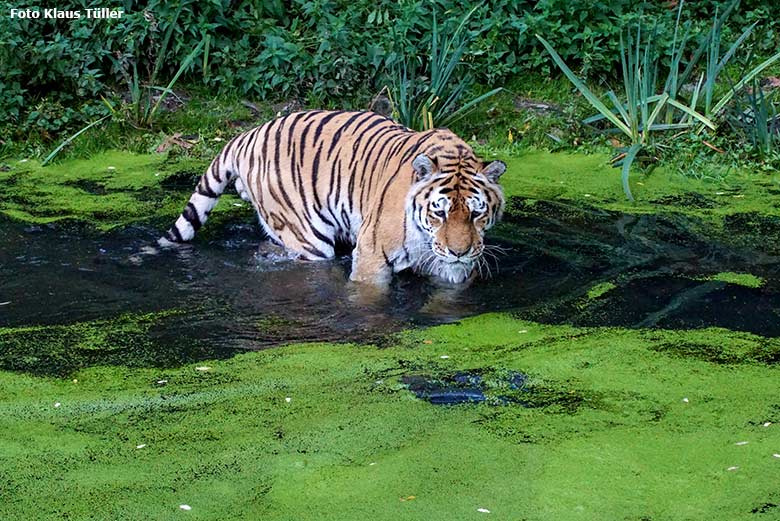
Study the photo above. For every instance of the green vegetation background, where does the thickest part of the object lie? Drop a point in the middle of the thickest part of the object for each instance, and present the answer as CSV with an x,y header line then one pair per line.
x,y
325,52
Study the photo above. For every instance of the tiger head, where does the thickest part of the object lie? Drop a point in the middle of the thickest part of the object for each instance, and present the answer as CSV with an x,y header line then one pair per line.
x,y
455,200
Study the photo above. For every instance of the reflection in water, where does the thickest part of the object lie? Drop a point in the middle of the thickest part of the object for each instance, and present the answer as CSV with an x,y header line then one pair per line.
x,y
239,292
232,289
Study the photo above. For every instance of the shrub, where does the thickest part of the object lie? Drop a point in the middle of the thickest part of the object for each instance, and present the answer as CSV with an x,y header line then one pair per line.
x,y
335,51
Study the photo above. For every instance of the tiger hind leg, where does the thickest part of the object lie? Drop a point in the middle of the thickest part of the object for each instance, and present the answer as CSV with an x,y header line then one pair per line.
x,y
241,189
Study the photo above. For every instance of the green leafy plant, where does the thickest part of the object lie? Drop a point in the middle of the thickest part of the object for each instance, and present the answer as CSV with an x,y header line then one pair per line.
x,y
636,116
646,110
146,97
755,116
427,93
143,108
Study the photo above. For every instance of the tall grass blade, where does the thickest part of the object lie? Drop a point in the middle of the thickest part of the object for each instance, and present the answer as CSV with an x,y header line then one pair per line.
x,y
704,120
71,138
185,64
465,109
657,110
741,83
592,98
627,162
205,65
164,46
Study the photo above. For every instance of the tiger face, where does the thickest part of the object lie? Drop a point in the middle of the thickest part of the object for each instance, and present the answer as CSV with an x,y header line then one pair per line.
x,y
455,201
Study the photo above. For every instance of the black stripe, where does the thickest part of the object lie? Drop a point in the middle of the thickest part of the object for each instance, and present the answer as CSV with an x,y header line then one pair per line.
x,y
298,177
325,219
204,189
378,156
267,136
337,135
345,219
321,236
373,141
331,182
358,141
191,214
315,165
277,165
291,128
214,171
413,150
174,235
351,191
314,251
323,122
381,206
372,170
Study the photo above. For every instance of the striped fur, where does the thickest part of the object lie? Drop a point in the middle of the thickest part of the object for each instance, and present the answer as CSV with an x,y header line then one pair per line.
x,y
404,199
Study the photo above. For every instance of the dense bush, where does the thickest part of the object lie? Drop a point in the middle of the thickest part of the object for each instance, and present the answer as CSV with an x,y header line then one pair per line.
x,y
327,50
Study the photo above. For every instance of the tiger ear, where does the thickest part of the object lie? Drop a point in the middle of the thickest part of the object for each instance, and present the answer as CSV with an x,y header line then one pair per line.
x,y
423,166
494,170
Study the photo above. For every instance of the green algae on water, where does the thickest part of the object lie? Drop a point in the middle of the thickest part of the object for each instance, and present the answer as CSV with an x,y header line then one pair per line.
x,y
327,431
111,190
600,289
130,339
741,279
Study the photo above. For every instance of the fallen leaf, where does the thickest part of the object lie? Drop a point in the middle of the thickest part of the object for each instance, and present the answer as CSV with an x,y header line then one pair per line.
x,y
176,139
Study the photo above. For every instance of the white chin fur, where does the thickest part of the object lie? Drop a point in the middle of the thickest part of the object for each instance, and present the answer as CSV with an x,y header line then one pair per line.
x,y
455,272
452,272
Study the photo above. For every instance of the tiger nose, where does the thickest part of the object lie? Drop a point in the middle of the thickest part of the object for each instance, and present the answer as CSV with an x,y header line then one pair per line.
x,y
459,252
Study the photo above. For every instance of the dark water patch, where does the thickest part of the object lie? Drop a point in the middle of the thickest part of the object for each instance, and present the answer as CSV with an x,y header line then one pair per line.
x,y
751,229
235,294
672,301
653,260
230,295
445,391
495,388
145,340
448,390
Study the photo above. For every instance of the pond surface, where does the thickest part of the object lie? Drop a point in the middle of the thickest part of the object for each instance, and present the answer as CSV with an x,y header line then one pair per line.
x,y
232,295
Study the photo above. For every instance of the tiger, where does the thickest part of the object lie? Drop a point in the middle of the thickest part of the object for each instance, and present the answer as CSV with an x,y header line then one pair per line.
x,y
401,199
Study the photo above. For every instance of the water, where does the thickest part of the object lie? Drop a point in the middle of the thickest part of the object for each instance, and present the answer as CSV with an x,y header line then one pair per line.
x,y
235,296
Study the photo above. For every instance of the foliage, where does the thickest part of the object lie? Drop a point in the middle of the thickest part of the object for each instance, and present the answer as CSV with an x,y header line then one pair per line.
x,y
755,118
637,114
331,51
427,90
